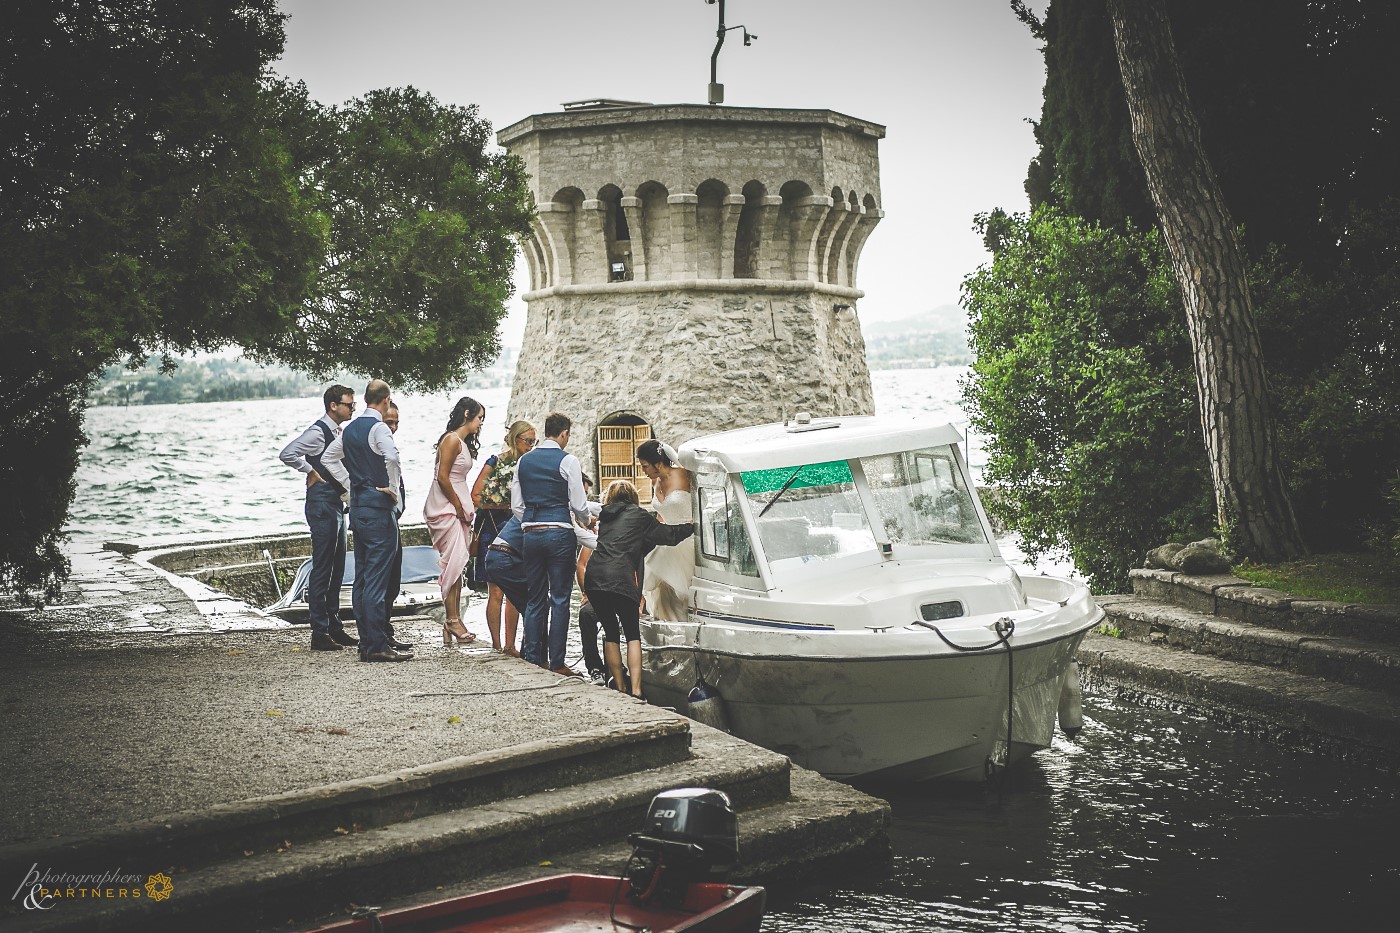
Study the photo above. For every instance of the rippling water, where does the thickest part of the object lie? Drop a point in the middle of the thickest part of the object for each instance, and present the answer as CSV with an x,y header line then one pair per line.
x,y
213,467
1153,820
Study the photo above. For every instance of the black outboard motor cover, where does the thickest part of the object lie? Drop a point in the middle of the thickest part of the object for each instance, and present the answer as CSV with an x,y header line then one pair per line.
x,y
695,829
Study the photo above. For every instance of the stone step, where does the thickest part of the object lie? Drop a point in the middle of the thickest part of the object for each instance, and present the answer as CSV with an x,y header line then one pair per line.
x,y
1237,599
1288,708
823,830
302,882
1358,663
185,841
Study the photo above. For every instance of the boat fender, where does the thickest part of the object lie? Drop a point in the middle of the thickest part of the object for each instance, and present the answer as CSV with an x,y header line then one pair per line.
x,y
707,706
1071,702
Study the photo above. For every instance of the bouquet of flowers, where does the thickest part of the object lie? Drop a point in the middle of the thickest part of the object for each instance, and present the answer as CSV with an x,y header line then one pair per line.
x,y
495,492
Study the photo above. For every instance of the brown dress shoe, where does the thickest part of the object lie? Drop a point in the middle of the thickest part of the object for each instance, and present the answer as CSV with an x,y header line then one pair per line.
x,y
320,642
388,654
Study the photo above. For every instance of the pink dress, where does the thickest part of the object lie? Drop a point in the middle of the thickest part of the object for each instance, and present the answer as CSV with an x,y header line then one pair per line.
x,y
451,538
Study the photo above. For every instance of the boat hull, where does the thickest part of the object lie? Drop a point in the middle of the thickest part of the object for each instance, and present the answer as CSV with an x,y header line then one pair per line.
x,y
896,717
574,903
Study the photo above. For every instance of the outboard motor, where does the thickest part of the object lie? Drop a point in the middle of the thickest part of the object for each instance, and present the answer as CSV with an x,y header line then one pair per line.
x,y
691,835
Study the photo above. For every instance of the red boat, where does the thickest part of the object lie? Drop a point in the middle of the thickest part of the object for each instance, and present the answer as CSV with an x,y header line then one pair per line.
x,y
573,903
674,881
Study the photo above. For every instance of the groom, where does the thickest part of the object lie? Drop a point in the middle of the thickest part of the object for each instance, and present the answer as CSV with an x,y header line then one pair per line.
x,y
545,495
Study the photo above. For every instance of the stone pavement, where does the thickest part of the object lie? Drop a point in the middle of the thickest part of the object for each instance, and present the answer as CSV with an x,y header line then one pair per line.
x,y
139,718
129,698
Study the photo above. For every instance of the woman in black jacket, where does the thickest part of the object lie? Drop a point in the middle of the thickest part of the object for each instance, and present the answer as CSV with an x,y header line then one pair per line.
x,y
626,534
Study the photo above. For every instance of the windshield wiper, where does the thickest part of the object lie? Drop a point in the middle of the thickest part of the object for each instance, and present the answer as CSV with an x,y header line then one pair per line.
x,y
785,487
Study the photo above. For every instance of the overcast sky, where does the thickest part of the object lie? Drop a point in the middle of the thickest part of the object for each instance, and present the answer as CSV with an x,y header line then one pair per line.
x,y
953,81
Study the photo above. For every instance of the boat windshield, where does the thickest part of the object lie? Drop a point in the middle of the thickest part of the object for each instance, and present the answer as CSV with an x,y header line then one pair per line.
x,y
921,497
810,512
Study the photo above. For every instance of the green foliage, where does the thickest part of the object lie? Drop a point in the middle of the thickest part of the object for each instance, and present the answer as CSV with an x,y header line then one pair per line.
x,y
1312,182
423,223
164,192
1083,384
1265,78
1333,344
1083,381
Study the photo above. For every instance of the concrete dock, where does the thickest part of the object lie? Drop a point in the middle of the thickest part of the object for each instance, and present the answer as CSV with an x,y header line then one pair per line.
x,y
1319,676
148,735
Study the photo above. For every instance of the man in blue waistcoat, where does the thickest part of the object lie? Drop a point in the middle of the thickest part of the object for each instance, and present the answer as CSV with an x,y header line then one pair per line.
x,y
325,516
368,462
545,495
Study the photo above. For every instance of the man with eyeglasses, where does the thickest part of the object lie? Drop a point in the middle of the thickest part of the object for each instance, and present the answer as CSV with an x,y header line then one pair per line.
x,y
325,516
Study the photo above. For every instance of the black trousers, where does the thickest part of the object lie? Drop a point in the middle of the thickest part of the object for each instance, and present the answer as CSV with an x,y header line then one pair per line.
x,y
588,634
618,616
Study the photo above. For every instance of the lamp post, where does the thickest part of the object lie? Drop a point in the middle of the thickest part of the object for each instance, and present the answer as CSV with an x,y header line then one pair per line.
x,y
716,95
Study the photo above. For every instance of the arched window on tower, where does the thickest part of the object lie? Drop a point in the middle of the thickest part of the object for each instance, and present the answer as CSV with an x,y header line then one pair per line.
x,y
619,239
749,234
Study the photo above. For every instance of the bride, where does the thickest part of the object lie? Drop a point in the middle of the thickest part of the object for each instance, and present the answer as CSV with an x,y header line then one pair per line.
x,y
668,569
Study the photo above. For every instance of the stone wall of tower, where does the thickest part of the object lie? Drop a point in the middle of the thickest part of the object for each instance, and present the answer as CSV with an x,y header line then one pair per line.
x,y
738,233
689,364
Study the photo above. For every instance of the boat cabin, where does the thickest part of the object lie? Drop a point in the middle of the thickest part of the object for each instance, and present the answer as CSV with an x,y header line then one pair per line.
x,y
782,503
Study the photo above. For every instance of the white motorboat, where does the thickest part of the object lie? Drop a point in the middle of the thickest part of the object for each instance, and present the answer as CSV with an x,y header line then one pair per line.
x,y
851,608
418,586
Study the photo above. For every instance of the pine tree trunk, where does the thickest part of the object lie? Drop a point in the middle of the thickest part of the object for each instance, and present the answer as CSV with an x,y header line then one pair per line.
x,y
1241,441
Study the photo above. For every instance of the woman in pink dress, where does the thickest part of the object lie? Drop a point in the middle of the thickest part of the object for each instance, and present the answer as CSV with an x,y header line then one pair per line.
x,y
449,510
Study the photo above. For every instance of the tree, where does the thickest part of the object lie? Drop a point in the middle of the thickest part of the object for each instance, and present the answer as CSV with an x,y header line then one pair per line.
x,y
1082,386
161,190
423,225
1297,121
1293,102
1252,500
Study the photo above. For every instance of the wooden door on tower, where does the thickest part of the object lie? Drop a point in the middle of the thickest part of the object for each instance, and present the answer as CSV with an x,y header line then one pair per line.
x,y
617,457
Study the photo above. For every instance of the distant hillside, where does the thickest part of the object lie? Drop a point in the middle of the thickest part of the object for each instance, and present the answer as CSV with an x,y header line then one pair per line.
x,y
932,338
222,380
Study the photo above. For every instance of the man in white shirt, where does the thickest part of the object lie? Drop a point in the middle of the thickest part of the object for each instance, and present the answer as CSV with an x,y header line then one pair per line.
x,y
365,459
545,495
395,580
325,516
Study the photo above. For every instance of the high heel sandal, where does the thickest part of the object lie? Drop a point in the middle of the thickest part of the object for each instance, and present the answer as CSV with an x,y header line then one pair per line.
x,y
466,638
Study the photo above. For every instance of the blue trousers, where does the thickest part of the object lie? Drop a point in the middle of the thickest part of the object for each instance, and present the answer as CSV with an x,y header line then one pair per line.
x,y
508,572
549,570
393,583
376,541
326,518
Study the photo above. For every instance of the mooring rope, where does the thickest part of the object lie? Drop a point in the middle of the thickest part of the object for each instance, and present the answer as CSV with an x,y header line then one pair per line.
x,y
1004,628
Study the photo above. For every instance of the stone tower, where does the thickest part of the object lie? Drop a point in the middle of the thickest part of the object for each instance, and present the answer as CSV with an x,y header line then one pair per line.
x,y
692,269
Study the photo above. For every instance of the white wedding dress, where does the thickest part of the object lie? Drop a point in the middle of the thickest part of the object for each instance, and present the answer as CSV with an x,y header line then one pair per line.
x,y
669,569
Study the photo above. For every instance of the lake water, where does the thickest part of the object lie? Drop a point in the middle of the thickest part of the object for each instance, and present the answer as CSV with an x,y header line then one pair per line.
x,y
1152,820
213,467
